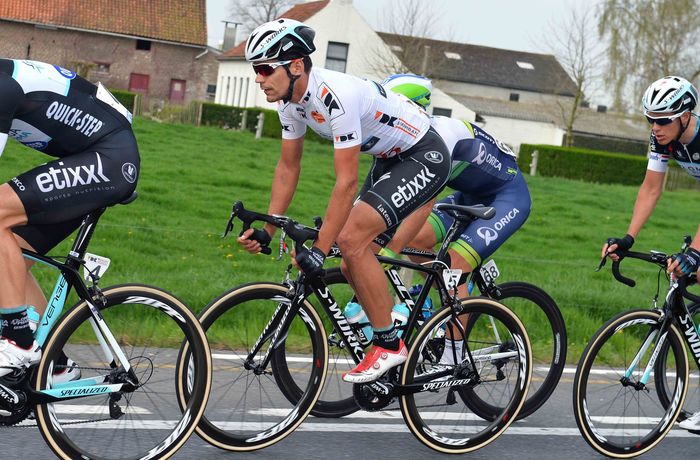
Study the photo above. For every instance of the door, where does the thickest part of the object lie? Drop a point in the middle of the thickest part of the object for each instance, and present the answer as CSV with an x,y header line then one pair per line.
x,y
138,83
177,91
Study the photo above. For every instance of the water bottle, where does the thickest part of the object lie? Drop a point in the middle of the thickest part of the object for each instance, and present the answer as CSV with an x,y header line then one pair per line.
x,y
359,322
400,314
34,319
427,307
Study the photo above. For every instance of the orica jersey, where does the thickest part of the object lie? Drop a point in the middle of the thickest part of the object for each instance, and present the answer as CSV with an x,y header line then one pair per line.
x,y
351,111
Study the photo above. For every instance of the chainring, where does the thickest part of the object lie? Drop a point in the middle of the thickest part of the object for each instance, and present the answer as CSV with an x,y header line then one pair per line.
x,y
374,396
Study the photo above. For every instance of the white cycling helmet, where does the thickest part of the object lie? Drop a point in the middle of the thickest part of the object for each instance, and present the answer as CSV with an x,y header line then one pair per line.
x,y
670,95
281,39
416,88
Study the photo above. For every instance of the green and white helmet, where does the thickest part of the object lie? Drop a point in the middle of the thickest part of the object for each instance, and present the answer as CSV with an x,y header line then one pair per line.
x,y
416,88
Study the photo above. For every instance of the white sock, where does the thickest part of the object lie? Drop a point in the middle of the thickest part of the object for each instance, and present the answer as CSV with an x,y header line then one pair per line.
x,y
452,348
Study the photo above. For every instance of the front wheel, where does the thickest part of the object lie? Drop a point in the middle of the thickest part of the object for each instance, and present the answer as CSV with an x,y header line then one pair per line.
x,y
442,362
249,408
616,406
123,414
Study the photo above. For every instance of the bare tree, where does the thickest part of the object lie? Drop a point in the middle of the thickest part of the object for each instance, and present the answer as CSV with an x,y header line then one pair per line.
x,y
252,13
408,27
573,43
648,39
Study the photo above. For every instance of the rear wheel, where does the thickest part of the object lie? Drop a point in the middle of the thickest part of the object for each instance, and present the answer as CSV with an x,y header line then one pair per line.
x,y
547,331
484,370
144,418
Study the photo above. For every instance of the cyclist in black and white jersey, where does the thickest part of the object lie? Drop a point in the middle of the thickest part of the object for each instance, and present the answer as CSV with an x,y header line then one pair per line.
x,y
55,111
411,165
668,104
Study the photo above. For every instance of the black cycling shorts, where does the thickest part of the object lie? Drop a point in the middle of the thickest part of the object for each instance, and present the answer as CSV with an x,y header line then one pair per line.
x,y
57,195
397,186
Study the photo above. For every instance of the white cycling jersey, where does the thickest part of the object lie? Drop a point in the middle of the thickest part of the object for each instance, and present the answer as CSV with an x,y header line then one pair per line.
x,y
352,111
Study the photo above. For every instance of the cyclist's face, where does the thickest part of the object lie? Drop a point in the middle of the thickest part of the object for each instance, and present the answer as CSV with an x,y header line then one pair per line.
x,y
666,133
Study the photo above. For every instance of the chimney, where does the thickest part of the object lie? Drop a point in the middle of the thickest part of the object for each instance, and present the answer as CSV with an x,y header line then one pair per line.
x,y
230,28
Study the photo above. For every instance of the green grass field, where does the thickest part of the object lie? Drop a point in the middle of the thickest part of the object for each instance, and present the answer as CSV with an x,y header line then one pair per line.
x,y
170,236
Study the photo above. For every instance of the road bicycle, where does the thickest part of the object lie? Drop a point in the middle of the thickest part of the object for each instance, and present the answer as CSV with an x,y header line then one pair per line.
x,y
535,308
632,380
271,357
125,340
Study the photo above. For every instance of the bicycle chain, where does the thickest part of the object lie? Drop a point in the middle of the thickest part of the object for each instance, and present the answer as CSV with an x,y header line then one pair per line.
x,y
81,422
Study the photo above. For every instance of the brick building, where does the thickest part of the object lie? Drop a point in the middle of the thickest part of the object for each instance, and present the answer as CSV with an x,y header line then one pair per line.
x,y
157,48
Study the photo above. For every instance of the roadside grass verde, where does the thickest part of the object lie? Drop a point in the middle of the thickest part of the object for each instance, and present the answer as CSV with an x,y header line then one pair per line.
x,y
170,236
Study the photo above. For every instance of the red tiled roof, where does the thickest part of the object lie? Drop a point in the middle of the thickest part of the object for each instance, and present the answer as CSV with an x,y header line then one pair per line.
x,y
182,21
300,12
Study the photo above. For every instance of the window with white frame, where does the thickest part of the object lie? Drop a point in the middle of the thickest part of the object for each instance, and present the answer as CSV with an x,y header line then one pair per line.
x,y
337,56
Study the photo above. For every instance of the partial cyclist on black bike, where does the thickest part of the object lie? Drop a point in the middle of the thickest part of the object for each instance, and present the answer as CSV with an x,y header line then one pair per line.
x,y
53,110
667,105
411,166
484,171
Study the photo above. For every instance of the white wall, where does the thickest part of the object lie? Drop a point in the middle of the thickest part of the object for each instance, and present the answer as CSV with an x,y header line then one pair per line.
x,y
515,132
444,101
493,92
337,22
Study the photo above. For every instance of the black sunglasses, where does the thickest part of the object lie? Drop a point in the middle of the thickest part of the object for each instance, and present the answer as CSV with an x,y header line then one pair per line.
x,y
268,69
663,121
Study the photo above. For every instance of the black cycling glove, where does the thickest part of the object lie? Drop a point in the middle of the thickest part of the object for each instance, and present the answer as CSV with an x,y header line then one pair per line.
x,y
623,244
688,261
311,261
261,236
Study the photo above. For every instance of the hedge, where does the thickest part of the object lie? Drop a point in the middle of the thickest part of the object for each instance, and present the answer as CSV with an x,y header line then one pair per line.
x,y
230,117
126,98
583,164
611,145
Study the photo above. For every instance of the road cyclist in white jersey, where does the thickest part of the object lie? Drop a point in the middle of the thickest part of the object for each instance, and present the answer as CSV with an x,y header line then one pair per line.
x,y
668,105
411,166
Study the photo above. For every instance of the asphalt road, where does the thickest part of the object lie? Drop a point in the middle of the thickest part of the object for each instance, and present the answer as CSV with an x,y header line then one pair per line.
x,y
550,433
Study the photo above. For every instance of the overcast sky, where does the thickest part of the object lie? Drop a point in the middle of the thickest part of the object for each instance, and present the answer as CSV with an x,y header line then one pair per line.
x,y
509,24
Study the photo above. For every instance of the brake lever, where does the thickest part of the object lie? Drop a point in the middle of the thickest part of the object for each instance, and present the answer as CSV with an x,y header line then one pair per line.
x,y
603,261
283,248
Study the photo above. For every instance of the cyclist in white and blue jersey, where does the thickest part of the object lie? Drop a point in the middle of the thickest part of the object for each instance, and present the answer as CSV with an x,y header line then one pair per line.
x,y
484,171
668,105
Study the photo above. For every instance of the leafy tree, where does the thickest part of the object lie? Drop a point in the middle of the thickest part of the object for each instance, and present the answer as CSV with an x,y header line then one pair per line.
x,y
648,39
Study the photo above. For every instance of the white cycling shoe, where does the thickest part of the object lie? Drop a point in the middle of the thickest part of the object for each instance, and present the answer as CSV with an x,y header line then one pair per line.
x,y
692,423
69,373
13,357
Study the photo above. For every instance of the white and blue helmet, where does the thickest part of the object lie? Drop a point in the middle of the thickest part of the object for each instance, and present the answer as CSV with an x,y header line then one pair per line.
x,y
281,39
670,95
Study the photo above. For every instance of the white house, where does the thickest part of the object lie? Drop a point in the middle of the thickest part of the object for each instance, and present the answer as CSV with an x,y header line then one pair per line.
x,y
343,41
516,96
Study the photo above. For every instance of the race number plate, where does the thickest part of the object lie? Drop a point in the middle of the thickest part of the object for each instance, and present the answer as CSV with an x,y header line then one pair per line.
x,y
451,277
489,271
96,264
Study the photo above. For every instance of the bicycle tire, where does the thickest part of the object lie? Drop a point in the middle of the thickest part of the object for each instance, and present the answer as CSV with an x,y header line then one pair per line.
x,y
550,344
605,388
505,370
141,424
233,322
336,399
692,401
